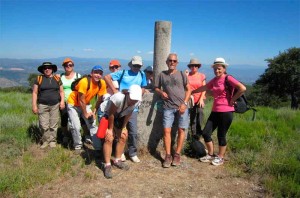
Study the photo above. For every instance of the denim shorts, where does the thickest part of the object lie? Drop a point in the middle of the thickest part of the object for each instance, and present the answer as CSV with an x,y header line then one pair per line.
x,y
171,114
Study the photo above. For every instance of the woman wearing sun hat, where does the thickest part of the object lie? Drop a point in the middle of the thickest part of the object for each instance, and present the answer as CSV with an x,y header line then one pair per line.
x,y
196,80
222,110
67,78
47,99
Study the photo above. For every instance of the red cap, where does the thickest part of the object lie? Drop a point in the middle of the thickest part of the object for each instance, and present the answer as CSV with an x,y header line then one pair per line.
x,y
114,62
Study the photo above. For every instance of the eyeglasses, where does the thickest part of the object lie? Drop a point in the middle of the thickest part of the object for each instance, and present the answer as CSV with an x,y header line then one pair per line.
x,y
137,66
69,65
45,68
194,66
114,67
174,61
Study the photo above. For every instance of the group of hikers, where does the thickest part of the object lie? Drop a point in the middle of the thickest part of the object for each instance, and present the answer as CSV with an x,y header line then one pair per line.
x,y
118,96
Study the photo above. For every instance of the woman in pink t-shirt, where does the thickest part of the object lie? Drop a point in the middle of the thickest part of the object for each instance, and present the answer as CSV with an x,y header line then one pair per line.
x,y
222,110
196,80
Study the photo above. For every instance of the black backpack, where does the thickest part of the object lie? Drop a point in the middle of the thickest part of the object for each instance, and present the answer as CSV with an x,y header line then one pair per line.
x,y
75,82
242,105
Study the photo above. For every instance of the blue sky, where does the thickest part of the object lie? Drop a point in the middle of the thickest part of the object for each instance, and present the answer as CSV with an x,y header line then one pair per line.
x,y
243,32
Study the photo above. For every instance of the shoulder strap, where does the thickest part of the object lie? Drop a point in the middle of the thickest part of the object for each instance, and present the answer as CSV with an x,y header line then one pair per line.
x,y
56,78
119,81
39,79
76,75
182,77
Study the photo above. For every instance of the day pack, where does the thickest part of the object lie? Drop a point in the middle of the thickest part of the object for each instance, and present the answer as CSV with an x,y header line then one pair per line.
x,y
241,105
75,82
40,80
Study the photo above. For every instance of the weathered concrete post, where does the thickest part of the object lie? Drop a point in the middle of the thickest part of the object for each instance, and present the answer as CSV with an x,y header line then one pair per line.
x,y
162,45
150,128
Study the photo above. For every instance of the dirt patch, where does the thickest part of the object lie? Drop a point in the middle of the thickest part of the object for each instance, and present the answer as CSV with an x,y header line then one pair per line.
x,y
148,179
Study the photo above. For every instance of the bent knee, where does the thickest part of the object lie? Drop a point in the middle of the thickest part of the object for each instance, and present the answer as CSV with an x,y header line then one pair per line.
x,y
124,136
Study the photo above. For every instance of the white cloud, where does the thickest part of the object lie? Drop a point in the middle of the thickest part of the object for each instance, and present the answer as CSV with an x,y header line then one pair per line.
x,y
88,50
192,54
150,52
138,51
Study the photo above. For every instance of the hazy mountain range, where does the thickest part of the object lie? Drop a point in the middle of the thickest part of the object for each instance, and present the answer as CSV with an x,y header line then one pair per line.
x,y
14,72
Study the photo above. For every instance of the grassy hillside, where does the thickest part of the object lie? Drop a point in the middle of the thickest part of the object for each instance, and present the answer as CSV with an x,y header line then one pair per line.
x,y
267,149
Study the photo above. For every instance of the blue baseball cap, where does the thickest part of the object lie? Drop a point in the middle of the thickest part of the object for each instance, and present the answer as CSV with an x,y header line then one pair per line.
x,y
97,67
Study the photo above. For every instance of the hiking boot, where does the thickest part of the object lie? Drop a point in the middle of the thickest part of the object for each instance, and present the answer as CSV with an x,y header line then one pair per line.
x,y
207,158
44,145
52,144
88,144
121,165
218,161
176,160
123,158
168,161
107,172
135,159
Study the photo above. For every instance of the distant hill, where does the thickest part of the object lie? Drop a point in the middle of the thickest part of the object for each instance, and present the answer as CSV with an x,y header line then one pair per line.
x,y
18,70
8,83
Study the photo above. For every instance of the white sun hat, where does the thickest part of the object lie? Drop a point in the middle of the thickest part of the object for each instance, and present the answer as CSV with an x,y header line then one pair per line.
x,y
219,61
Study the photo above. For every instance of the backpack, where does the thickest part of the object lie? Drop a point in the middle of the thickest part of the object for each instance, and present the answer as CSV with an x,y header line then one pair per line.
x,y
40,80
75,82
242,105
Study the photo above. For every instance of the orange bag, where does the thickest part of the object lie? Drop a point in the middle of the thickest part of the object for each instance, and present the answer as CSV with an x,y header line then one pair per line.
x,y
103,125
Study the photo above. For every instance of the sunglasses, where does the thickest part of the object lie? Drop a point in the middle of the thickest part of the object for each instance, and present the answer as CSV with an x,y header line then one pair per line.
x,y
194,66
45,68
137,66
174,61
69,65
114,67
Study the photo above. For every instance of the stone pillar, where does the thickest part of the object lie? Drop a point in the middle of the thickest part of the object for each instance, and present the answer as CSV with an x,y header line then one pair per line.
x,y
150,128
162,46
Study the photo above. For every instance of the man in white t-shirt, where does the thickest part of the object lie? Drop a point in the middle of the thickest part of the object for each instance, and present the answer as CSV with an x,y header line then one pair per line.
x,y
118,112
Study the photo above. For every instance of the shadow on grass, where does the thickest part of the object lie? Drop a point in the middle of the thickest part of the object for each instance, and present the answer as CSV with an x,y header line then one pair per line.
x,y
34,133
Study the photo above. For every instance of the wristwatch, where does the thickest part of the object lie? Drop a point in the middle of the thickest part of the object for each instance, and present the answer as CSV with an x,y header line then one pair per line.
x,y
186,103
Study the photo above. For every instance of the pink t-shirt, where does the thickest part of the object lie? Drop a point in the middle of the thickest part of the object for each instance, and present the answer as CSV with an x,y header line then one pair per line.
x,y
195,82
217,86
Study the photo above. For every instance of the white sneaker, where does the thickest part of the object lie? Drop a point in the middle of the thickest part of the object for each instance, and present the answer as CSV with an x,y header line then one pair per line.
x,y
52,144
135,159
207,158
218,161
44,145
123,158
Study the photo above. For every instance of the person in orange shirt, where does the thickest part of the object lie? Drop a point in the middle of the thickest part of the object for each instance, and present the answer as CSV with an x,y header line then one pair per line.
x,y
79,106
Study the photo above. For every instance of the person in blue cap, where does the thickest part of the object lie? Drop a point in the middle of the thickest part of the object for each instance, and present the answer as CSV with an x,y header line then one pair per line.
x,y
79,106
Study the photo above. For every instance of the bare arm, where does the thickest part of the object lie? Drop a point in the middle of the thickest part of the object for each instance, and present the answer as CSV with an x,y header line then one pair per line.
x,y
34,99
201,100
82,103
109,83
241,90
62,97
99,101
163,94
200,89
183,106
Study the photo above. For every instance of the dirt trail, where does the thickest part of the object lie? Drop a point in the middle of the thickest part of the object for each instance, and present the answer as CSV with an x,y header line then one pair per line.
x,y
148,179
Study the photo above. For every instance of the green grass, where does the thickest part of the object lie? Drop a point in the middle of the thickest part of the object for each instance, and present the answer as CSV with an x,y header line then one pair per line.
x,y
267,147
20,168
